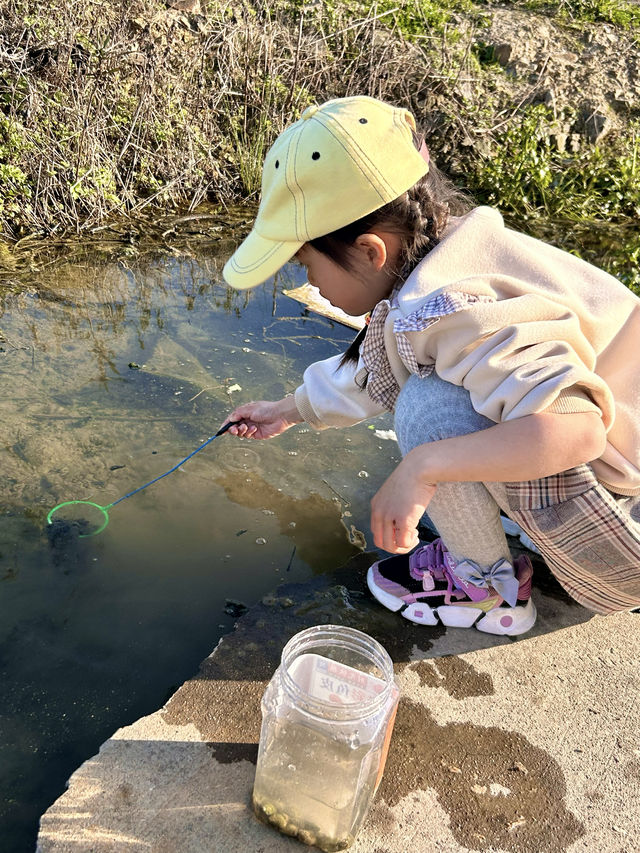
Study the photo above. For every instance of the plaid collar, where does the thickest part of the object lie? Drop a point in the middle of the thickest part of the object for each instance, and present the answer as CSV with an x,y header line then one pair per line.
x,y
376,375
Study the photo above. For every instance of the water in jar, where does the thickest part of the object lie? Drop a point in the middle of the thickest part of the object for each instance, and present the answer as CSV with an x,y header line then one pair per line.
x,y
315,782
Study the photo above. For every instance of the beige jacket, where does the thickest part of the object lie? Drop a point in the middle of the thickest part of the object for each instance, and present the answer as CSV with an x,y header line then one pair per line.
x,y
532,329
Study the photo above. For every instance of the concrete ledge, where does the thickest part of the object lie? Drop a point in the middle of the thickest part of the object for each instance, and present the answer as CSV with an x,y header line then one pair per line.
x,y
529,745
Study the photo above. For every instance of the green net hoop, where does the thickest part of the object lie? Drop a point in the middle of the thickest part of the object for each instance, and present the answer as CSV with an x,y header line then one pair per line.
x,y
102,509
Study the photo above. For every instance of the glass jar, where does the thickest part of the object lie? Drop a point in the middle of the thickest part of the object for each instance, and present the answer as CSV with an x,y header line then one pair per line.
x,y
327,717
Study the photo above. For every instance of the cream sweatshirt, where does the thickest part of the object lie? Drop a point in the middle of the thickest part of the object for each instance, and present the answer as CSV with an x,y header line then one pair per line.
x,y
537,329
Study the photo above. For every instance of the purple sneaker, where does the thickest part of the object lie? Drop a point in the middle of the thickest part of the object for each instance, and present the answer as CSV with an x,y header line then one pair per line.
x,y
428,587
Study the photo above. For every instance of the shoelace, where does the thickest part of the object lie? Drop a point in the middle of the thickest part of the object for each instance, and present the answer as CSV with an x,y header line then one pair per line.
x,y
428,565
429,560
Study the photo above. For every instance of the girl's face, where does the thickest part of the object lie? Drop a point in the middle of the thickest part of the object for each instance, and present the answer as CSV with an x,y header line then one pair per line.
x,y
359,291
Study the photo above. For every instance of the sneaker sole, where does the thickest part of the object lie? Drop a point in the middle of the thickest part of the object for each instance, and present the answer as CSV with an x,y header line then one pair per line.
x,y
502,621
391,602
449,614
509,621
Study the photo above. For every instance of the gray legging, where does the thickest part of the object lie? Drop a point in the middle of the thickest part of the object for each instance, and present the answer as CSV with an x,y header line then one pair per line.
x,y
589,537
465,515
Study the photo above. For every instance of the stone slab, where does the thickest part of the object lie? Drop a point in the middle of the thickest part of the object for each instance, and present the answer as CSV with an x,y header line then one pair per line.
x,y
528,745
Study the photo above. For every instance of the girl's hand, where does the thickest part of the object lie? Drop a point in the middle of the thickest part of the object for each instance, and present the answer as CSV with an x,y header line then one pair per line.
x,y
264,419
397,508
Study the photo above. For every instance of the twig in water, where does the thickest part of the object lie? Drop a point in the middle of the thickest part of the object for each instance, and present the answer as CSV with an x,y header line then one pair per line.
x,y
291,557
344,500
191,399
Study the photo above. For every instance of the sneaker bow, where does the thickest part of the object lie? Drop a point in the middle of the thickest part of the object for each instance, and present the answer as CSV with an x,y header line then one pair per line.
x,y
500,576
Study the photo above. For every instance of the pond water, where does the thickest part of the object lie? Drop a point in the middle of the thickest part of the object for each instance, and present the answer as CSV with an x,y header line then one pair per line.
x,y
110,374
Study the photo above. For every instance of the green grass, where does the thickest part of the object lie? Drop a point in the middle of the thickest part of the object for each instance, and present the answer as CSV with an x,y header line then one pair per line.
x,y
621,13
527,175
587,202
415,20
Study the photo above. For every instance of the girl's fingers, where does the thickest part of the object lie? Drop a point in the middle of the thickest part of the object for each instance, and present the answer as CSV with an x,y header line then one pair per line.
x,y
240,430
396,510
406,539
384,534
376,529
397,536
400,539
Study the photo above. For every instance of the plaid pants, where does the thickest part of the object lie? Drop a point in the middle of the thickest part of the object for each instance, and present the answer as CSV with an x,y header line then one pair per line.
x,y
589,538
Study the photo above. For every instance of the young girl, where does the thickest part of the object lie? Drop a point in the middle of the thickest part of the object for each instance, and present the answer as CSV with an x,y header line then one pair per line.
x,y
511,367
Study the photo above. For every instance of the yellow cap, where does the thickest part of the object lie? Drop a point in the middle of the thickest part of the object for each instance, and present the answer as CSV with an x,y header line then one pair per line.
x,y
337,163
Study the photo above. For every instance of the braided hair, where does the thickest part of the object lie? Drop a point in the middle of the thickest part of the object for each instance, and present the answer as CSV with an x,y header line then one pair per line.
x,y
419,217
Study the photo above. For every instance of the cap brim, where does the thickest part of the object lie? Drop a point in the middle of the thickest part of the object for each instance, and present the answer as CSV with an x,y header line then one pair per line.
x,y
256,259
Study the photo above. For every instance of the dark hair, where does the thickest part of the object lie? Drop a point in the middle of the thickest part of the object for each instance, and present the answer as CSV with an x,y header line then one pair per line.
x,y
419,216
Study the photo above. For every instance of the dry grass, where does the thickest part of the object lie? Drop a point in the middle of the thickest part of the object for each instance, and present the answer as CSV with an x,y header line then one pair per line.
x,y
130,111
110,108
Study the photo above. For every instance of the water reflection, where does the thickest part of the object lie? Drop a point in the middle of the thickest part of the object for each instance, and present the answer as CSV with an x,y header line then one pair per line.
x,y
109,374
312,523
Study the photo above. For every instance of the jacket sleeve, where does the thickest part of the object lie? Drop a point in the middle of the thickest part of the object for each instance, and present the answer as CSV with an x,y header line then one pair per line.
x,y
330,396
516,357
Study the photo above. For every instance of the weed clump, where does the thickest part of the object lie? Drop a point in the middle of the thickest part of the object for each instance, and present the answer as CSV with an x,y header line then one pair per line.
x,y
596,182
105,111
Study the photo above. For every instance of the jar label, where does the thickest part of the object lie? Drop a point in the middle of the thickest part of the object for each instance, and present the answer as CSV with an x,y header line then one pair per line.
x,y
330,681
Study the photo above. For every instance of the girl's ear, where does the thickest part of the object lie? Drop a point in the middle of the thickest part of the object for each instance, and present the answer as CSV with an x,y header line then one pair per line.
x,y
375,250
